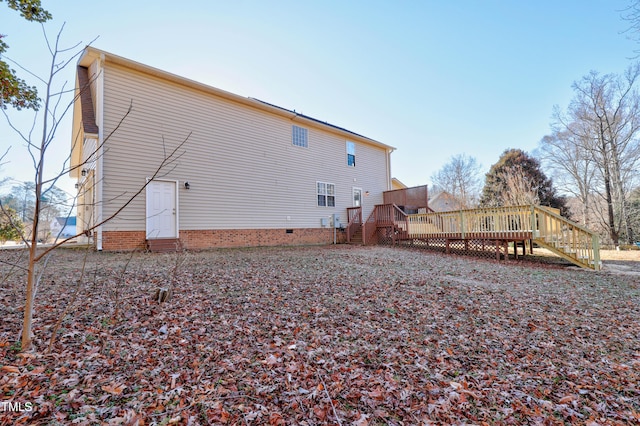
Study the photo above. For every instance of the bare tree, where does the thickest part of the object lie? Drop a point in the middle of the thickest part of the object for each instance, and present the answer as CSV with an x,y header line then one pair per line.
x,y
574,170
603,121
520,188
631,14
55,106
461,178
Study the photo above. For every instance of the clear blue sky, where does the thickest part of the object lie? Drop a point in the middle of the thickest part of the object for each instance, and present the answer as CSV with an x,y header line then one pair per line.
x,y
433,78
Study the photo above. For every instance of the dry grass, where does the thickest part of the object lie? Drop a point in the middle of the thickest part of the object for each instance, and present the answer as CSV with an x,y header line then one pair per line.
x,y
630,255
324,335
626,255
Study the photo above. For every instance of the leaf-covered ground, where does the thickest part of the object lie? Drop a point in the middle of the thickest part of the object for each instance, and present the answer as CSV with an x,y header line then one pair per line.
x,y
321,335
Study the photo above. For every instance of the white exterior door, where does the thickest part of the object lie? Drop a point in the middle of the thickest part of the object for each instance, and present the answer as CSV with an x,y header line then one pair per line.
x,y
162,210
357,197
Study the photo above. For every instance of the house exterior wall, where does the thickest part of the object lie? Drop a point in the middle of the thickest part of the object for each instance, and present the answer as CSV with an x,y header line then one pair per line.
x,y
243,169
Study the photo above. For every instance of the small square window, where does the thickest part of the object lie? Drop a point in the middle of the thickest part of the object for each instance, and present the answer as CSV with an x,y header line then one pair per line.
x,y
299,136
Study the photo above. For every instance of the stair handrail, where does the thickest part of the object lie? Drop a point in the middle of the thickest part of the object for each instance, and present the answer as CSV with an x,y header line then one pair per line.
x,y
369,227
400,218
579,244
354,215
550,212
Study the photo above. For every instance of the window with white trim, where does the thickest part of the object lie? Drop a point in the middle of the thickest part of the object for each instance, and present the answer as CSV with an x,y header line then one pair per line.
x,y
326,194
300,136
351,154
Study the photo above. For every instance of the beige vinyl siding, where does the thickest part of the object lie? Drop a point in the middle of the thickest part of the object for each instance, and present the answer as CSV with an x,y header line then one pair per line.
x,y
242,167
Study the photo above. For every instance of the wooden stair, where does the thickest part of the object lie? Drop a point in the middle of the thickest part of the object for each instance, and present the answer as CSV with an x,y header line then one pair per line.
x,y
356,238
164,245
355,226
567,239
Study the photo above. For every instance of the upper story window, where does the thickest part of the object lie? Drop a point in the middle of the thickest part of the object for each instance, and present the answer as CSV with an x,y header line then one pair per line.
x,y
351,154
300,136
326,194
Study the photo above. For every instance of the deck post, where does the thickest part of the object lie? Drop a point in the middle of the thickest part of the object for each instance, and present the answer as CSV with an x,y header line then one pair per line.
x,y
595,246
447,250
497,250
462,225
364,233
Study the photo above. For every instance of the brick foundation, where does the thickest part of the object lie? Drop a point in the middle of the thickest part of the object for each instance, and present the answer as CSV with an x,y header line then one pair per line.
x,y
123,240
224,238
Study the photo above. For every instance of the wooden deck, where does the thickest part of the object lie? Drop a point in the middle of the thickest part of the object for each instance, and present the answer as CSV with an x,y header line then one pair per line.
x,y
481,230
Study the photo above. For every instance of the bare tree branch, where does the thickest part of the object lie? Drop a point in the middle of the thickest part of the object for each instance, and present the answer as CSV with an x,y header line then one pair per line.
x,y
168,160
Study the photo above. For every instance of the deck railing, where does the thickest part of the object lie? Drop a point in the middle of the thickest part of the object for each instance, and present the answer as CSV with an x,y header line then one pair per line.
x,y
507,222
511,223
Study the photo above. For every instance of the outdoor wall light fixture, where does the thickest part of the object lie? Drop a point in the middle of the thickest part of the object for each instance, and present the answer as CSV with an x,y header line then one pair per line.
x,y
186,185
77,186
84,172
366,194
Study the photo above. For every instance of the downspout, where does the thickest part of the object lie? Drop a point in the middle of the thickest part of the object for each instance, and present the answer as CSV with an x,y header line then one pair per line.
x,y
389,186
100,159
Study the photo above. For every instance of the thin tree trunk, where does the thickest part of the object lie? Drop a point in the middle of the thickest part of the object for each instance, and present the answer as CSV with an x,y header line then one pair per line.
x,y
31,274
611,223
32,280
29,299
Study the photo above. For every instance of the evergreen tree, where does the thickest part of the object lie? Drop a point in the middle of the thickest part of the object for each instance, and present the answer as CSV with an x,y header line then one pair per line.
x,y
15,91
11,226
518,179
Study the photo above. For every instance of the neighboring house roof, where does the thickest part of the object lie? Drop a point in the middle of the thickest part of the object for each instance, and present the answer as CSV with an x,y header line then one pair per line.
x,y
396,184
444,201
63,226
66,221
90,54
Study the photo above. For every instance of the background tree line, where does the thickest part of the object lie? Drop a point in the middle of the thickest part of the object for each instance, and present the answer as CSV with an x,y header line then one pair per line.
x,y
592,153
19,206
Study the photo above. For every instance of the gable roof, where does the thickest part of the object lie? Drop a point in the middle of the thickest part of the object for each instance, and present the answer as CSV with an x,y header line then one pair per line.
x,y
91,54
312,119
